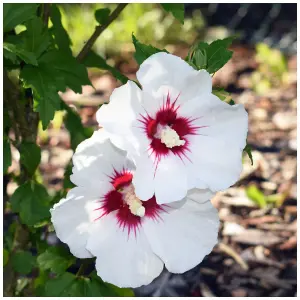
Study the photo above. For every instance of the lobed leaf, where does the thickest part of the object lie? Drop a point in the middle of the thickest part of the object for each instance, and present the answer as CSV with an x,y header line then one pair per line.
x,y
60,285
55,259
143,51
30,156
60,35
45,83
56,71
17,50
11,56
36,38
31,201
211,57
93,60
68,285
17,13
75,74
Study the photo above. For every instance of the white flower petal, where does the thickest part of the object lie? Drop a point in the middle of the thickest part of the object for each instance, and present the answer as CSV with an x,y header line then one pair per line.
x,y
199,83
125,261
170,180
217,164
216,151
143,178
120,114
184,236
220,120
200,195
163,69
94,160
71,218
196,84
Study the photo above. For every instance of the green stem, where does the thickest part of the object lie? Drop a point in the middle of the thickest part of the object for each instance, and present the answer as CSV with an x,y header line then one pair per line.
x,y
81,269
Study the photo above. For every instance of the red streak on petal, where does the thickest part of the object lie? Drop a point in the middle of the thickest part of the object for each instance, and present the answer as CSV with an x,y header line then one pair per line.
x,y
152,209
113,201
151,128
127,220
168,115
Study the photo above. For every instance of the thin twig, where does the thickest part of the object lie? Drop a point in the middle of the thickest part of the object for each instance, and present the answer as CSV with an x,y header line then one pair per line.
x,y
99,29
231,252
84,264
46,13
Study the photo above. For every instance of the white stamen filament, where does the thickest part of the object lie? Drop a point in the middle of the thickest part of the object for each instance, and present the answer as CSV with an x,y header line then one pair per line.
x,y
169,137
135,204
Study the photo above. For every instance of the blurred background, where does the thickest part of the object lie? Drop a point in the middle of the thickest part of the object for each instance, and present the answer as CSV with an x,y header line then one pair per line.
x,y
256,254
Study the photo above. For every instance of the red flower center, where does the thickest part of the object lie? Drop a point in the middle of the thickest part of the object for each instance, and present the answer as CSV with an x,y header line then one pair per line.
x,y
167,117
115,200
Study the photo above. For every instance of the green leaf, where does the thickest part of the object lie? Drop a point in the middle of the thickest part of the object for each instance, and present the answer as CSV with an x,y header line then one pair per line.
x,y
74,73
56,71
11,56
45,82
60,285
17,13
93,60
73,123
36,38
40,282
23,262
55,259
256,196
5,257
17,50
31,201
143,51
9,65
119,292
211,57
68,285
30,156
67,183
221,93
218,54
48,104
6,155
200,59
61,36
248,150
101,15
176,9
108,289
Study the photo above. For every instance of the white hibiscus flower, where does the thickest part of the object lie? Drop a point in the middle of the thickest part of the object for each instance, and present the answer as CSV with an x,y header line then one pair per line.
x,y
177,132
131,239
